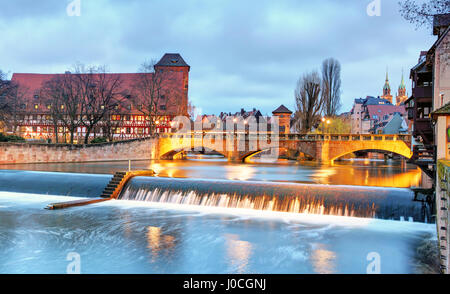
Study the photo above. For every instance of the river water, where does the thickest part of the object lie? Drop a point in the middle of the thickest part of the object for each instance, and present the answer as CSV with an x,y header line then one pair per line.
x,y
128,236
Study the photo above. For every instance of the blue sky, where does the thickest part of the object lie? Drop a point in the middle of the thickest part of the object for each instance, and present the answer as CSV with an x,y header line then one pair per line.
x,y
243,54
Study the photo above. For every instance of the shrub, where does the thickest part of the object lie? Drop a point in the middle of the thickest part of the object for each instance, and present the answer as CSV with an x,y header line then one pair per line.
x,y
10,138
99,140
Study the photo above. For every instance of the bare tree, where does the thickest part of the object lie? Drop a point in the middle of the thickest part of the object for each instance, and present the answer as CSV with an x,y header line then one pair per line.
x,y
99,94
149,95
62,95
422,14
309,102
12,104
191,110
331,86
5,90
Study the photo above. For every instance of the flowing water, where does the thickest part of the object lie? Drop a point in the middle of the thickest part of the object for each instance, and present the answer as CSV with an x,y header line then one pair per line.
x,y
217,218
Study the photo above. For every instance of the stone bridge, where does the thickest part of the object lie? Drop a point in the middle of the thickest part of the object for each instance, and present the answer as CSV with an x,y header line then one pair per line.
x,y
235,147
319,147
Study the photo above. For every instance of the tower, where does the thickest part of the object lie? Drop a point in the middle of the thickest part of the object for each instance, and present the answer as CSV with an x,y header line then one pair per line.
x,y
174,72
284,116
387,89
401,94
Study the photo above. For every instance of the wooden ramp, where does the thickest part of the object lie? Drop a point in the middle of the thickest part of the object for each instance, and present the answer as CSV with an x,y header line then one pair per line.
x,y
111,191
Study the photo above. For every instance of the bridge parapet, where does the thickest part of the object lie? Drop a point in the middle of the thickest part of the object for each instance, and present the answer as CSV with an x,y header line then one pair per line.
x,y
299,137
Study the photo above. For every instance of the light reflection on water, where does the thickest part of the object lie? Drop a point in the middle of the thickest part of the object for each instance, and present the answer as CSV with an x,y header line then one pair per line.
x,y
361,173
133,237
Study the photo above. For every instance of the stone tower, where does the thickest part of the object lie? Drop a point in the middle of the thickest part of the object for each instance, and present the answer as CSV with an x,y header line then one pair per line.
x,y
401,94
387,90
284,116
175,73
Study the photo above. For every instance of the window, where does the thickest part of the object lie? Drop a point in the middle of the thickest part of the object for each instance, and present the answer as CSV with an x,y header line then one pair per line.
x,y
162,107
36,106
36,96
49,106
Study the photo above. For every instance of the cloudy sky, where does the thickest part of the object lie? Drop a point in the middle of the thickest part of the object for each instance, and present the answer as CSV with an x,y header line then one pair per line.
x,y
243,54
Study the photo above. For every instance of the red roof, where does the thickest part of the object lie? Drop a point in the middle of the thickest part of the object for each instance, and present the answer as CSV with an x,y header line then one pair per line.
x,y
30,84
382,110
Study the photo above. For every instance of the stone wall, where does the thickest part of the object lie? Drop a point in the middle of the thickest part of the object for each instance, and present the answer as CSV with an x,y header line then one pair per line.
x,y
136,149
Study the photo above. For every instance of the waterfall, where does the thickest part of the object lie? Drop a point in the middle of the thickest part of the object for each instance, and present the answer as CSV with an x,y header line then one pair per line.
x,y
351,201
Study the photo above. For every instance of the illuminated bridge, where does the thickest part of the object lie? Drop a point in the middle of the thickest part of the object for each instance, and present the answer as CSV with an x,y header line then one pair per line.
x,y
320,147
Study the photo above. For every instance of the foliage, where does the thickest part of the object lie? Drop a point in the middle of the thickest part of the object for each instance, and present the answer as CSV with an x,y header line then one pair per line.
x,y
99,140
10,138
337,125
422,14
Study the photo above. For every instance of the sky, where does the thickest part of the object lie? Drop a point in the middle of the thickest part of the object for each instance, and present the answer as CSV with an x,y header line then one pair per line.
x,y
243,54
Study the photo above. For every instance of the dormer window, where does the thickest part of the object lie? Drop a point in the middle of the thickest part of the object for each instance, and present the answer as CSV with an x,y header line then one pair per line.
x,y
174,61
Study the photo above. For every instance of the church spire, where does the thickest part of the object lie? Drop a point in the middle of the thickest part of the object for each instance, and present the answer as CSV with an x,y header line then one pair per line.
x,y
402,84
386,88
401,95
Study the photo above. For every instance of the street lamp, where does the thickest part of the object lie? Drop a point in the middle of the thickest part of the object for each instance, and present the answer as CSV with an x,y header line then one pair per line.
x,y
328,123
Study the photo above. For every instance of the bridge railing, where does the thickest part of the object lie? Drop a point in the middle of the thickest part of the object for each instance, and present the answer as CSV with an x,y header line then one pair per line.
x,y
295,137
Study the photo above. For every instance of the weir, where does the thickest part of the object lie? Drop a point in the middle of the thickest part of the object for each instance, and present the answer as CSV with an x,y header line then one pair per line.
x,y
352,201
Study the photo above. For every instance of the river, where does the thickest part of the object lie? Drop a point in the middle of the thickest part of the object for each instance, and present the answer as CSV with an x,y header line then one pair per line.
x,y
128,236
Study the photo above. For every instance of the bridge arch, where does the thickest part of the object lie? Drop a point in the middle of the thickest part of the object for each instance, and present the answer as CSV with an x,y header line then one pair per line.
x,y
170,147
404,151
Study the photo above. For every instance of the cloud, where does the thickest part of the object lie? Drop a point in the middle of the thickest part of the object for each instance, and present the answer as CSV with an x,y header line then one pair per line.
x,y
242,53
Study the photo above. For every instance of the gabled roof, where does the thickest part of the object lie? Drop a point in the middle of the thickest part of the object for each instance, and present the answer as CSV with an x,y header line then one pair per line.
x,y
444,110
281,109
32,83
172,59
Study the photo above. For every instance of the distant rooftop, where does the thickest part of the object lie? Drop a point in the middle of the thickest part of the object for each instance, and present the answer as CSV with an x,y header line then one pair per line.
x,y
281,109
172,59
440,21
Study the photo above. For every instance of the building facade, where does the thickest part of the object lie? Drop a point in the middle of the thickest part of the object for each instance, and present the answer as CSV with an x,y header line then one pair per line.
x,y
438,56
127,119
367,114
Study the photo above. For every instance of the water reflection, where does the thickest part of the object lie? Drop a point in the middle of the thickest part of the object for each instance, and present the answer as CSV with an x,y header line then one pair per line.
x,y
323,260
381,173
242,173
238,253
159,243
